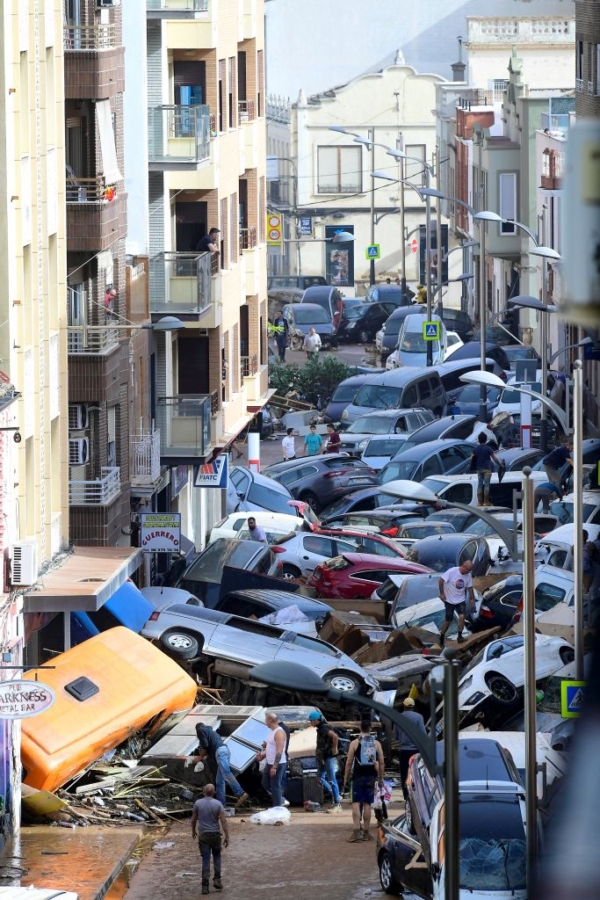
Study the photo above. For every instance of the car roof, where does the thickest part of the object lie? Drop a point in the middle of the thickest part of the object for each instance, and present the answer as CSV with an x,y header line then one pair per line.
x,y
390,414
438,426
384,562
310,307
420,450
398,377
453,539
403,311
317,290
280,599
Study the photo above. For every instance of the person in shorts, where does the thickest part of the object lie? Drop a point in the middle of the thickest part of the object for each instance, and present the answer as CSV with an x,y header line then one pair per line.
x,y
365,762
456,590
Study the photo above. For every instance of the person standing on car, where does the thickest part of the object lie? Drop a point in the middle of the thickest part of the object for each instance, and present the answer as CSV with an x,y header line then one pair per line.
x,y
313,442
208,818
312,344
546,492
333,440
481,462
288,445
405,743
556,459
281,335
365,763
456,590
212,746
257,533
327,751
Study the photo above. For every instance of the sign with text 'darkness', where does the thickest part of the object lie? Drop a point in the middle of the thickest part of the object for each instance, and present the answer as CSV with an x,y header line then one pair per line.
x,y
21,699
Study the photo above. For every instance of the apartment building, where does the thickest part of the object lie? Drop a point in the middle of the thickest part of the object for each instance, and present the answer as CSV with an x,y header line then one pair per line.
x,y
587,58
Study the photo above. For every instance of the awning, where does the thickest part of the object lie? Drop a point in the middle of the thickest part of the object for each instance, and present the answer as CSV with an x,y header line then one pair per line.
x,y
108,147
254,407
87,578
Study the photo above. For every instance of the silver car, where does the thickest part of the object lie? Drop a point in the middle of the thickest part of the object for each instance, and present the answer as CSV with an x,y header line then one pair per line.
x,y
194,633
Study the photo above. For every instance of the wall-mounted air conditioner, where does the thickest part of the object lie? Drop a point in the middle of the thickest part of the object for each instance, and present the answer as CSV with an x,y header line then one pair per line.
x,y
78,417
104,3
79,451
23,563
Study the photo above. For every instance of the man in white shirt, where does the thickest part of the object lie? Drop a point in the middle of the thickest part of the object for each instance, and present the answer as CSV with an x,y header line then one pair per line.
x,y
288,445
256,533
276,759
312,344
456,585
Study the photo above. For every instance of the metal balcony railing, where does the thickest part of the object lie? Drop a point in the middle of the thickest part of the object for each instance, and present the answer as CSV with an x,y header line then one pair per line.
x,y
579,85
89,190
248,238
89,37
246,110
98,492
179,134
180,282
181,6
184,425
249,365
145,457
83,341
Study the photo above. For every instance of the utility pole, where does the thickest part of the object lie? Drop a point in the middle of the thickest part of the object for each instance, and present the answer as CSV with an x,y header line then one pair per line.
x,y
371,134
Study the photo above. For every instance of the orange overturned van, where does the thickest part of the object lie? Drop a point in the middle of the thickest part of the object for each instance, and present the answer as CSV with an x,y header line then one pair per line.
x,y
107,688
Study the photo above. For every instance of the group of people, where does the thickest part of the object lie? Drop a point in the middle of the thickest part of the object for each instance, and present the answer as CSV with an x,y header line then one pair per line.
x,y
313,442
311,345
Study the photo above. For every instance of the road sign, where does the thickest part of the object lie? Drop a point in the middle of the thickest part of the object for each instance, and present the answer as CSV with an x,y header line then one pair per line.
x,y
414,245
373,251
431,331
571,698
274,230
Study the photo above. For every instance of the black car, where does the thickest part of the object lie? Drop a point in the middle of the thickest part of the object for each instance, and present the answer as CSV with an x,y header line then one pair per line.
x,y
321,480
360,323
447,550
458,321
499,604
425,460
367,499
343,396
457,428
472,350
203,576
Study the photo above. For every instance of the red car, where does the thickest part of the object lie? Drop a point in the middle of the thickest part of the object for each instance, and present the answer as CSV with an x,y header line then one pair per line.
x,y
354,576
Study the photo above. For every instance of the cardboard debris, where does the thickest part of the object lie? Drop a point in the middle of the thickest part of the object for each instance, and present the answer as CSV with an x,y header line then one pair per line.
x,y
39,803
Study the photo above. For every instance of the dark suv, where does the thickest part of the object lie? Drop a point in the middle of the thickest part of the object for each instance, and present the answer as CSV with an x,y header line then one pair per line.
x,y
321,480
276,282
361,323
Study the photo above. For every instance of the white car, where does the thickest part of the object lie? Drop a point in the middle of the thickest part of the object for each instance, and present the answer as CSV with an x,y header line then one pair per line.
x,y
556,547
381,448
301,554
275,525
497,672
413,345
429,614
453,343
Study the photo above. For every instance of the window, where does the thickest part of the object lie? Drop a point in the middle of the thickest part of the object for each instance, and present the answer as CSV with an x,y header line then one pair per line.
x,y
111,426
267,499
459,493
469,551
432,466
241,606
547,596
230,89
320,545
507,196
546,163
339,170
579,61
452,457
415,170
303,640
378,576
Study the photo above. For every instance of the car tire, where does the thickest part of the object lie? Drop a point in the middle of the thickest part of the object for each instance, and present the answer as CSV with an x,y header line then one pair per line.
x,y
180,644
363,336
289,572
388,882
312,500
501,689
343,682
567,655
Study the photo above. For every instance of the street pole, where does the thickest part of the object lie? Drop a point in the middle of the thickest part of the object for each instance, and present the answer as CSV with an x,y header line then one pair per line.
x,y
438,230
578,515
482,314
451,794
428,282
401,162
529,639
371,134
544,355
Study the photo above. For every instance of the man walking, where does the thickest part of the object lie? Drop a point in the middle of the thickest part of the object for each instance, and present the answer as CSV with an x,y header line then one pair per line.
x,y
312,344
481,459
276,758
365,762
333,440
288,445
210,242
313,442
256,532
327,751
281,335
405,743
556,459
211,745
208,818
456,585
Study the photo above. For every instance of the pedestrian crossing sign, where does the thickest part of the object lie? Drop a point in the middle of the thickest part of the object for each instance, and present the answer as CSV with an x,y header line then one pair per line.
x,y
572,694
373,251
431,331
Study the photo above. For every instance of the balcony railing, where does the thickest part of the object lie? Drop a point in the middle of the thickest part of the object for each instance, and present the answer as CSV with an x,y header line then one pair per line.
x,y
179,134
247,110
184,425
248,238
145,457
89,37
82,340
249,365
89,190
180,282
579,85
590,87
182,6
99,492
555,122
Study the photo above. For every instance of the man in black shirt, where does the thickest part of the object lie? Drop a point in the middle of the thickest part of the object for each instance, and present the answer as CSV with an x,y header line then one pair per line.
x,y
209,243
481,459
556,459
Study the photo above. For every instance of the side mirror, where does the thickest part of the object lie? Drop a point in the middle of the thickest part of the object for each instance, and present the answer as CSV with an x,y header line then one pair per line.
x,y
240,495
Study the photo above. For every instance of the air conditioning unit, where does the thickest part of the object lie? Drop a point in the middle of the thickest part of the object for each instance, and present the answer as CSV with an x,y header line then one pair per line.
x,y
78,417
23,563
104,3
79,451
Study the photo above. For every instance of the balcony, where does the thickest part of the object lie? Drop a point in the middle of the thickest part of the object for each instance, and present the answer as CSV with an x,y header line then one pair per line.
x,y
98,492
181,283
96,214
248,238
178,137
176,9
190,30
246,110
184,423
84,340
145,465
94,62
579,85
249,365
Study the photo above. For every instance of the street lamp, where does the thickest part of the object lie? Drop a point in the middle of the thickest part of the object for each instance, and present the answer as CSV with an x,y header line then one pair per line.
x,y
481,218
295,677
488,379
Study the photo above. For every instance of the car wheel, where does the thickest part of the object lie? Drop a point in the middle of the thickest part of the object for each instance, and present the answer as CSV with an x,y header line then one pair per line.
x,y
343,682
386,875
363,336
290,572
567,655
312,501
180,644
501,688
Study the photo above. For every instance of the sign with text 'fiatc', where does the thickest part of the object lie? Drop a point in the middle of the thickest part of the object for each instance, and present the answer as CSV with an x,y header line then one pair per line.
x,y
21,699
160,532
213,474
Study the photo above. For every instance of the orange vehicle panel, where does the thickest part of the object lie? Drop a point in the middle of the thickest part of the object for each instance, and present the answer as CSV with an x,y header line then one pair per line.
x,y
137,684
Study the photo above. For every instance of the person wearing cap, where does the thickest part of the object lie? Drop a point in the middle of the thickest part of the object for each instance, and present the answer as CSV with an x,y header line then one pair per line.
x,y
405,743
327,751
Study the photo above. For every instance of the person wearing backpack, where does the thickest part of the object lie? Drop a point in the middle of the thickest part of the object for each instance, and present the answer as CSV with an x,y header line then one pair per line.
x,y
365,763
327,751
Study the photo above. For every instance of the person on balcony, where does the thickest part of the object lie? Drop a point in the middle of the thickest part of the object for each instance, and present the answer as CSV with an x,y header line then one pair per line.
x,y
210,242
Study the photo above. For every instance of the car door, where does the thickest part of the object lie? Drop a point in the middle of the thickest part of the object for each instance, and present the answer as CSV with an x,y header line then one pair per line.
x,y
314,549
409,863
430,466
245,640
455,459
237,490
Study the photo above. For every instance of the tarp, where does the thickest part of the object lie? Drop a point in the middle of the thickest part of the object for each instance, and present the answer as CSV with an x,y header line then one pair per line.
x,y
110,165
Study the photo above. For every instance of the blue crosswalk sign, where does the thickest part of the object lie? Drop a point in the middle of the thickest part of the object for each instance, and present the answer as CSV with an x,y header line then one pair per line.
x,y
571,696
431,331
373,251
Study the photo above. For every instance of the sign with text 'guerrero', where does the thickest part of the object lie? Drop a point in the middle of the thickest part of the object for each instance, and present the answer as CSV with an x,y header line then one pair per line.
x,y
22,699
160,532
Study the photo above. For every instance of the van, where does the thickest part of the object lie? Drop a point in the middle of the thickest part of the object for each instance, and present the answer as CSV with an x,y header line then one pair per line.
x,y
127,607
329,298
407,388
107,688
414,347
463,488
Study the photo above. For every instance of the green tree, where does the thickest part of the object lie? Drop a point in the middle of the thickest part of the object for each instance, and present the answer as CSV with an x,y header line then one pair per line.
x,y
316,378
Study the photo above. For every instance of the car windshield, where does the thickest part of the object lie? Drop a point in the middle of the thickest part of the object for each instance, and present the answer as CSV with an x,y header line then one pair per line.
x,y
267,498
370,425
392,327
421,530
519,352
482,528
398,469
378,396
354,312
382,447
311,316
563,510
416,343
472,393
387,591
492,844
344,392
209,565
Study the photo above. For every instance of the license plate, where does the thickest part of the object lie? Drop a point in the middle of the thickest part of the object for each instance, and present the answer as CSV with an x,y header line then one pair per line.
x,y
359,481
